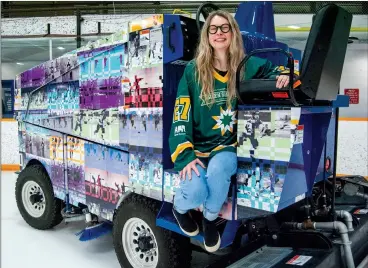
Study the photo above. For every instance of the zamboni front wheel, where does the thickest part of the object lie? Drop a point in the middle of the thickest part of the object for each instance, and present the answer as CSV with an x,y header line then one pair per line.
x,y
35,198
139,242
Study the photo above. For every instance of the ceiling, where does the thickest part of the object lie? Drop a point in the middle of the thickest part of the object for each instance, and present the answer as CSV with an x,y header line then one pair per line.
x,y
11,9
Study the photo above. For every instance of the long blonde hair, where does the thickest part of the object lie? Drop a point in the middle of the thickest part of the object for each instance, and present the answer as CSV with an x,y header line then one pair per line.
x,y
205,56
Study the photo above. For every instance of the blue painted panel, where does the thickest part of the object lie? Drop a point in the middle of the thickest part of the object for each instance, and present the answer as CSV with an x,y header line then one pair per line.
x,y
341,101
254,41
176,38
173,73
315,132
295,184
256,17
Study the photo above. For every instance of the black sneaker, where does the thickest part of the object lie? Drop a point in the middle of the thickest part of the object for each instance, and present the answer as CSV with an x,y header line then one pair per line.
x,y
186,223
212,239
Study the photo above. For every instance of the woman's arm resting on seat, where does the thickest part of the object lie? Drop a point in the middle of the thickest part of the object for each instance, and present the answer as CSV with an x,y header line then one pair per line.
x,y
265,69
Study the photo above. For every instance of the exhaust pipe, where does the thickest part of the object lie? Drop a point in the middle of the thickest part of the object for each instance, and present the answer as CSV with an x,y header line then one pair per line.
x,y
328,226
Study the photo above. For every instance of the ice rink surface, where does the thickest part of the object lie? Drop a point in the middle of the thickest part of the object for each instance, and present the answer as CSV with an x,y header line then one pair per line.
x,y
23,246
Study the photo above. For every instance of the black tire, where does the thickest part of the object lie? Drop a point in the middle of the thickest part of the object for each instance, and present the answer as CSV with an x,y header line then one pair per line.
x,y
52,214
174,250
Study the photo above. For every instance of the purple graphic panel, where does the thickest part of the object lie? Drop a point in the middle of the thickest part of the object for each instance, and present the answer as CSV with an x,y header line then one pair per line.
x,y
101,93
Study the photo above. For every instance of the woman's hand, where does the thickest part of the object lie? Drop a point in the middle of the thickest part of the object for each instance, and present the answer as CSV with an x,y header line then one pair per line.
x,y
189,167
282,81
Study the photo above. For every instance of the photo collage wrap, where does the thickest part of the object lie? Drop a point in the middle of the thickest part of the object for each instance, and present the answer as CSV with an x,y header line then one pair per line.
x,y
260,184
62,69
141,127
100,78
97,125
265,138
47,147
75,161
146,171
114,97
106,178
22,137
145,48
265,134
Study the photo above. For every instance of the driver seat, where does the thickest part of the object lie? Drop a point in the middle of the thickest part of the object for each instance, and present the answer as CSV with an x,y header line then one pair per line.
x,y
321,67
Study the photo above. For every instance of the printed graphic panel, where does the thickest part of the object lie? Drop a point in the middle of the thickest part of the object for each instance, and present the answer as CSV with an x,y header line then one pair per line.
x,y
98,125
47,147
106,178
63,97
22,137
37,144
69,68
100,79
265,134
75,158
260,184
145,127
145,171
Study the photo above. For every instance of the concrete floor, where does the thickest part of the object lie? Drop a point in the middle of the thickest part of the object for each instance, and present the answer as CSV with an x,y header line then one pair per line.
x,y
23,246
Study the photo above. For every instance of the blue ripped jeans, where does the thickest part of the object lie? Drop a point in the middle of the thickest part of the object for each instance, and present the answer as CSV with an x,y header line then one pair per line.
x,y
210,188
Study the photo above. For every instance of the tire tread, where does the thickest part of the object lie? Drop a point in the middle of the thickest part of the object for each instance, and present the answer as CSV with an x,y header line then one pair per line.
x,y
55,217
180,256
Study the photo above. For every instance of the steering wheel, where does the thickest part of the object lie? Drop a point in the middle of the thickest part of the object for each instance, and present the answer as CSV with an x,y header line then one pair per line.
x,y
205,9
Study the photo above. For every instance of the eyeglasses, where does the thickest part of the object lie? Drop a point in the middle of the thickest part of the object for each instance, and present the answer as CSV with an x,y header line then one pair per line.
x,y
225,28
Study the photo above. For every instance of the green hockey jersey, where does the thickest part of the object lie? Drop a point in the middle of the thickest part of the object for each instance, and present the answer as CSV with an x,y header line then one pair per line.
x,y
199,130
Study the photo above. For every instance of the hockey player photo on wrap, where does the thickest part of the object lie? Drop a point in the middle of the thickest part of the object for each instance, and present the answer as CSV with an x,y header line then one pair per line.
x,y
76,183
53,72
79,119
56,148
134,58
95,179
95,155
57,175
118,162
63,123
101,124
260,184
123,127
63,97
155,54
145,127
282,123
109,183
138,53
39,100
38,144
75,150
118,171
69,68
264,134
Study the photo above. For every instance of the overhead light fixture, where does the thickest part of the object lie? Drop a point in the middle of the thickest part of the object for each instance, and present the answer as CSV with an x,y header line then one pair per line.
x,y
293,27
19,63
61,48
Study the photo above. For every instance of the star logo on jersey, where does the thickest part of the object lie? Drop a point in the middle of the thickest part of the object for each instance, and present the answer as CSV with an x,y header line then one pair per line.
x,y
225,121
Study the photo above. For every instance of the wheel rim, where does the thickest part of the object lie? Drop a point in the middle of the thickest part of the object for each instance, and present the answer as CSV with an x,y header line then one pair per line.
x,y
140,244
33,199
